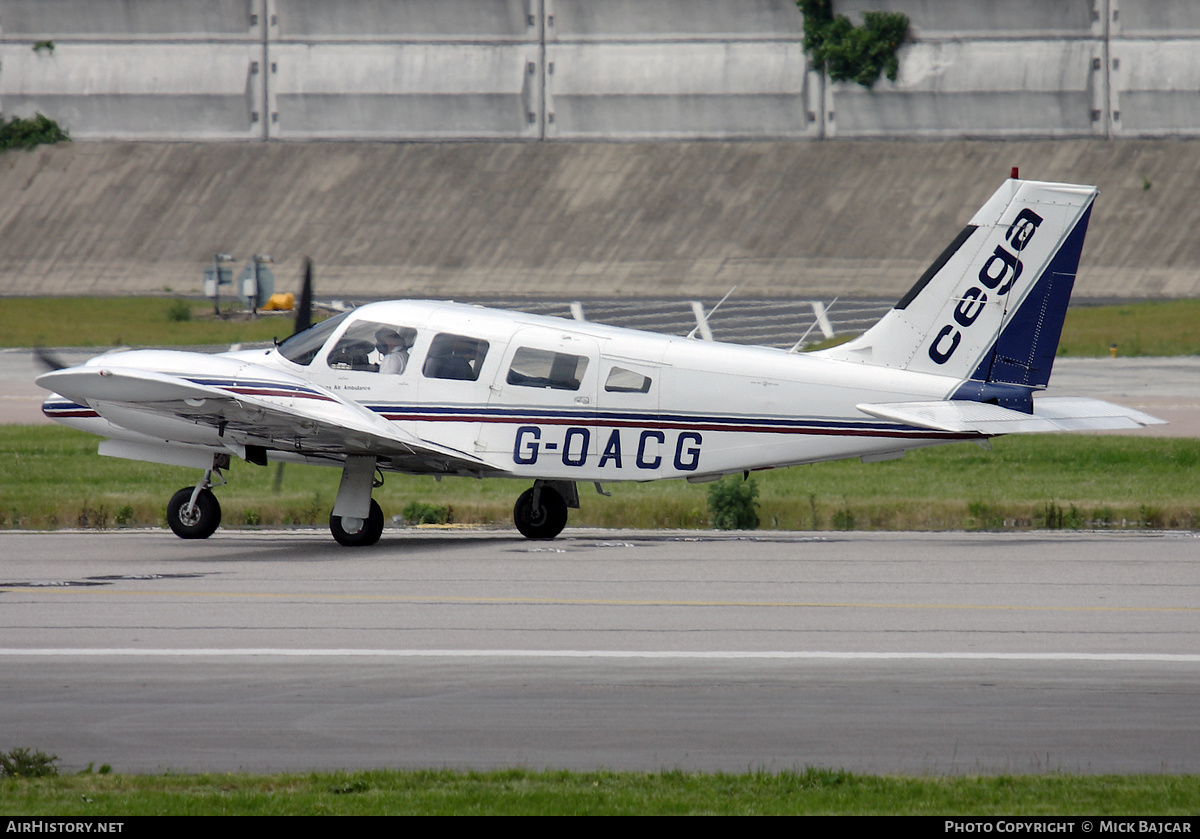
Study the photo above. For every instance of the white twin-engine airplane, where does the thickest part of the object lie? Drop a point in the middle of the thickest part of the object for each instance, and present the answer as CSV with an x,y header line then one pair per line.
x,y
448,389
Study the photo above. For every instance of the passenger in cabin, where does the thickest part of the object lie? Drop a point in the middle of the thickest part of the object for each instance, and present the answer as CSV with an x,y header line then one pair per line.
x,y
393,350
461,362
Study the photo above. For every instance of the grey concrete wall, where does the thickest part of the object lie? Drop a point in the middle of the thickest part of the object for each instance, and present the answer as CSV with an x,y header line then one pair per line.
x,y
136,69
405,69
1006,68
1021,68
1154,64
591,69
629,69
806,220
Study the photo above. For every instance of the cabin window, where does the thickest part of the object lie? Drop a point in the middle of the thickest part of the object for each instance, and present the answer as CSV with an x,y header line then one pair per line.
x,y
455,357
621,380
546,369
303,347
373,347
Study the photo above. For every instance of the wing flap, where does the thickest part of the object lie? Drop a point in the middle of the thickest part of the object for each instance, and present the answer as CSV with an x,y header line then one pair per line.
x,y
1057,413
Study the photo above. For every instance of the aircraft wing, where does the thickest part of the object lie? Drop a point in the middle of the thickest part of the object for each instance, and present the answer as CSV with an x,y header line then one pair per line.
x,y
1051,413
277,413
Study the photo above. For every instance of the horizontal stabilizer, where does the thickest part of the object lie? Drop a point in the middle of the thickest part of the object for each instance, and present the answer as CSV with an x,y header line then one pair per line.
x,y
1051,413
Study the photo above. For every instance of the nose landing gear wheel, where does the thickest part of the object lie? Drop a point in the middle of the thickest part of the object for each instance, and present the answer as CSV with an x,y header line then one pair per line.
x,y
203,519
366,533
544,521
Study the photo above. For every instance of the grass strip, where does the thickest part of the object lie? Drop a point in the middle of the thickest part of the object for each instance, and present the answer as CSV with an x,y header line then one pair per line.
x,y
52,477
106,322
524,792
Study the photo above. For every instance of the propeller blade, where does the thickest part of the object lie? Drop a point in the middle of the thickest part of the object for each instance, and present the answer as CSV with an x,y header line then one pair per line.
x,y
48,361
304,310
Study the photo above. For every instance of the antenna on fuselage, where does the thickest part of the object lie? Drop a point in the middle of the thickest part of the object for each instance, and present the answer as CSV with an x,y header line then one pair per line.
x,y
702,318
821,318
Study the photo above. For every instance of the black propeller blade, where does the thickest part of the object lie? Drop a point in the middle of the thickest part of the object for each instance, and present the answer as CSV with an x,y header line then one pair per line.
x,y
48,361
303,322
304,310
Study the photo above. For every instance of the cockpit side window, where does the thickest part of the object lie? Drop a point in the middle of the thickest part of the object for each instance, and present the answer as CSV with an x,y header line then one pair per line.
x,y
546,369
303,347
621,380
373,347
455,357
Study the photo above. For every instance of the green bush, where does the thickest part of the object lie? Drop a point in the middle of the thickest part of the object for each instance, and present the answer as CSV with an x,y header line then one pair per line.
x,y
418,512
853,53
20,133
179,311
844,519
732,504
23,763
1055,517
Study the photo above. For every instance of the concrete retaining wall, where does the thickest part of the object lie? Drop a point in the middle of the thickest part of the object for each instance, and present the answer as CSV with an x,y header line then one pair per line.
x,y
136,69
663,219
1072,68
591,69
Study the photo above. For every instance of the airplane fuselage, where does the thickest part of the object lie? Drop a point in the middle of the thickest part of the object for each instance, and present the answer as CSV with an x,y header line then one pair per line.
x,y
630,406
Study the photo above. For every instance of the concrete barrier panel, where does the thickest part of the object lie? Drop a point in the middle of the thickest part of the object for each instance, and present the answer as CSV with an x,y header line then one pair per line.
x,y
996,18
637,20
407,20
683,90
137,91
1161,18
405,91
982,88
127,19
1155,87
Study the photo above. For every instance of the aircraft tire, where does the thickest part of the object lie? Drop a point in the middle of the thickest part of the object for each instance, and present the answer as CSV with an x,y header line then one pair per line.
x,y
547,521
205,517
368,534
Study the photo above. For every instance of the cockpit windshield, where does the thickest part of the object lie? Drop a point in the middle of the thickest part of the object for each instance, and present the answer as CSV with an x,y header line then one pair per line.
x,y
303,347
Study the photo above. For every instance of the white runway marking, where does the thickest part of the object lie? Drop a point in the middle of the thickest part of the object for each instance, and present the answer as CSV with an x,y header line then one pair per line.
x,y
132,652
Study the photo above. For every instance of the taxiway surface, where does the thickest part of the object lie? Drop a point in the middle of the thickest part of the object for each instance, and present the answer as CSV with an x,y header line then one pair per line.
x,y
917,653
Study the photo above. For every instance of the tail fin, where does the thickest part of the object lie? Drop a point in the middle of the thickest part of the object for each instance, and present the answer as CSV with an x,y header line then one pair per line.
x,y
989,310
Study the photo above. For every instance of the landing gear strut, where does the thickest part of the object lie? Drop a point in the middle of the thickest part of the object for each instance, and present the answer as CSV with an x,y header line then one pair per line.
x,y
540,512
357,521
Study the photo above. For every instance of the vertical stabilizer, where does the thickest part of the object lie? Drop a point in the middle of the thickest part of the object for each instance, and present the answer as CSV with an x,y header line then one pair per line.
x,y
990,309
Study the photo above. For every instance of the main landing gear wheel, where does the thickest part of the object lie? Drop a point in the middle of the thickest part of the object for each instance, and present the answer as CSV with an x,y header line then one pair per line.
x,y
201,522
544,521
367,532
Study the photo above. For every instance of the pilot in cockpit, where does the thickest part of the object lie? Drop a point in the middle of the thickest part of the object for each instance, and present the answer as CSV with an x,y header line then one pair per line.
x,y
393,350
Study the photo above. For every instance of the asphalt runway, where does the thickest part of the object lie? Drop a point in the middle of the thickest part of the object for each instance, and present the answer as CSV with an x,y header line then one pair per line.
x,y
915,653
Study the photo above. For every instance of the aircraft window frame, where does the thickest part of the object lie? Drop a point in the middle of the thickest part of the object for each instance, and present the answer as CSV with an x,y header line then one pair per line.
x,y
443,362
624,372
361,338
547,369
303,347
